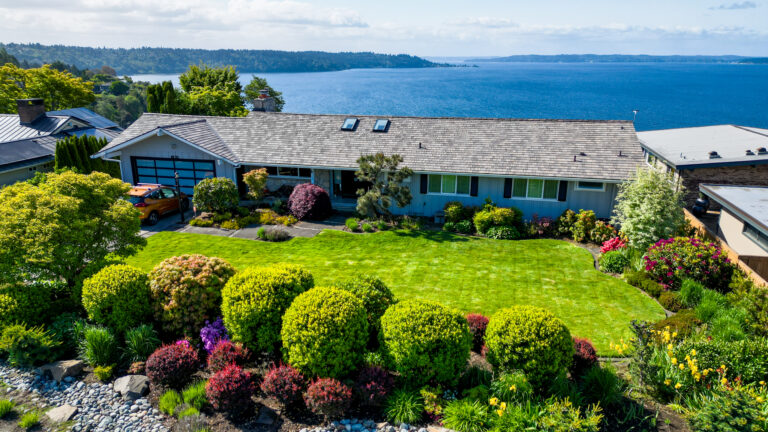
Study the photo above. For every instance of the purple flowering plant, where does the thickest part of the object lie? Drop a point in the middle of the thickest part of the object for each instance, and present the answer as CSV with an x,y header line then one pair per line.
x,y
213,333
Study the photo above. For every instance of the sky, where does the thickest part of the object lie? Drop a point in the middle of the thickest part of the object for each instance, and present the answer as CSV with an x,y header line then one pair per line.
x,y
458,28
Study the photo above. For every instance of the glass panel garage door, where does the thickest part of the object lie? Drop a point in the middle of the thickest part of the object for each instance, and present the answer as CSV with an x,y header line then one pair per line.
x,y
162,171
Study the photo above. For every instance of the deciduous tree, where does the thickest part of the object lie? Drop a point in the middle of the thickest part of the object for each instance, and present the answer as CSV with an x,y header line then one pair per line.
x,y
60,90
649,207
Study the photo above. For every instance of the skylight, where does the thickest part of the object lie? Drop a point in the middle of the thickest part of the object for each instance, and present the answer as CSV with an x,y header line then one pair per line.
x,y
382,125
350,124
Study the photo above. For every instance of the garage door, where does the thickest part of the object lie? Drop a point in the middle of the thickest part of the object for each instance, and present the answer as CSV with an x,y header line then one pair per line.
x,y
162,171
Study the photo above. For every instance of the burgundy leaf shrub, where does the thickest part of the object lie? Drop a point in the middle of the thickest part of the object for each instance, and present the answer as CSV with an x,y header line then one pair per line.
x,y
226,353
284,383
373,385
477,324
172,365
230,390
308,201
584,357
328,397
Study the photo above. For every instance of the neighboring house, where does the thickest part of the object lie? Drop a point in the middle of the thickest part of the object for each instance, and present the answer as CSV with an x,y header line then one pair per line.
x,y
542,167
724,154
28,139
743,222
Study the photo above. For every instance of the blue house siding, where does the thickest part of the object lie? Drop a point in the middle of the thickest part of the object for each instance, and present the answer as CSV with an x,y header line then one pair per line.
x,y
601,202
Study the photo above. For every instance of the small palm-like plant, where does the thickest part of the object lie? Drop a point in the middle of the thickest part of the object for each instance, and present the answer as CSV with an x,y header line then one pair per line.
x,y
140,343
466,416
404,407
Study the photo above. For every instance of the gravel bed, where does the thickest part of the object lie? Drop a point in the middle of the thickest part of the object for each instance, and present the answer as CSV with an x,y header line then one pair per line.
x,y
99,407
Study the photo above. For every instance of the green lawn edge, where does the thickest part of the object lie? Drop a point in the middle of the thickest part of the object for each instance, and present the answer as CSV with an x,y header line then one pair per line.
x,y
468,273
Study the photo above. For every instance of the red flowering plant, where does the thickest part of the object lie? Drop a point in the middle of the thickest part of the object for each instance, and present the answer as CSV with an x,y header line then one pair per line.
x,y
172,365
328,397
284,383
373,385
230,390
669,261
477,324
226,353
613,244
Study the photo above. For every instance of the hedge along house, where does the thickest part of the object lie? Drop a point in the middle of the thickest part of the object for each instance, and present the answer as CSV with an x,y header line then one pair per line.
x,y
540,166
723,154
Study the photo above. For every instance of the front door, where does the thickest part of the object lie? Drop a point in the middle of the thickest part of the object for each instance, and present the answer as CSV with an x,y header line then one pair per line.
x,y
349,185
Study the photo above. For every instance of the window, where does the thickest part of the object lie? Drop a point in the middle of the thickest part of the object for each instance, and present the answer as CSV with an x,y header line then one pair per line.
x,y
381,125
756,236
286,171
448,184
535,188
350,124
650,159
590,186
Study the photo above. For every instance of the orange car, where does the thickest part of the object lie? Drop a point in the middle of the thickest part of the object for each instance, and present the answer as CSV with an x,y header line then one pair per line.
x,y
155,200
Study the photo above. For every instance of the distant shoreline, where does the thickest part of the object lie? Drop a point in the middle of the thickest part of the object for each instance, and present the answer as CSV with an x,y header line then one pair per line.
x,y
619,58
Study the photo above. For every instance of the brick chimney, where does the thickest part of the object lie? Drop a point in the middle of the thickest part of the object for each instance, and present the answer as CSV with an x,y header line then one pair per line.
x,y
264,102
30,109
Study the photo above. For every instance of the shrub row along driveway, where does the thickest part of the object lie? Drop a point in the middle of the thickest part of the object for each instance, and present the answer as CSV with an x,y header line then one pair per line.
x,y
470,274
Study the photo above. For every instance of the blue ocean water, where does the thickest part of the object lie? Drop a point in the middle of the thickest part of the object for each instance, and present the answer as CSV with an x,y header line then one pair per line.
x,y
666,95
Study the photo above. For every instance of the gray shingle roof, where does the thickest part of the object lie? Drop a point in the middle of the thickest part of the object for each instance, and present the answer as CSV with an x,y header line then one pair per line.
x,y
507,147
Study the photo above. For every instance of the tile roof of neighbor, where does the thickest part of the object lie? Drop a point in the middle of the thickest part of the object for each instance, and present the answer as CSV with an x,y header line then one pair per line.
x,y
87,116
748,202
688,147
521,147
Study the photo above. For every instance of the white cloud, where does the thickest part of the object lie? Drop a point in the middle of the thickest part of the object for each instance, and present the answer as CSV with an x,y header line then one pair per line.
x,y
735,6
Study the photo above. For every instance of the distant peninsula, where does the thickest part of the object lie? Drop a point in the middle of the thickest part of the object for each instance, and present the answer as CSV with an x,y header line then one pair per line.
x,y
616,58
145,60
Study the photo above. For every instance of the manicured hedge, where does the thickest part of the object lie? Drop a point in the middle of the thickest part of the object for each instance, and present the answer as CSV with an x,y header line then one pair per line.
x,y
117,297
27,304
425,341
217,194
375,295
497,217
254,300
530,339
186,291
325,331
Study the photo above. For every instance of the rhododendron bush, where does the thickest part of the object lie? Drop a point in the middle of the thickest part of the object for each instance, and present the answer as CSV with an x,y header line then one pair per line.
x,y
613,244
669,261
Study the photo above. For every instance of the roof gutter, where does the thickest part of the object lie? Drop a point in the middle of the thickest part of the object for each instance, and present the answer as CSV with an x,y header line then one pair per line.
x,y
705,189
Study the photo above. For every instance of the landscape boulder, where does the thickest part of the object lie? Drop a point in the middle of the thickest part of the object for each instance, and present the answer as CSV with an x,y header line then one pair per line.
x,y
61,369
132,386
62,414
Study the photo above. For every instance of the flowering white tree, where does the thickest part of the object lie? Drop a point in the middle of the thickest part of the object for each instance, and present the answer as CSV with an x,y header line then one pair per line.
x,y
649,207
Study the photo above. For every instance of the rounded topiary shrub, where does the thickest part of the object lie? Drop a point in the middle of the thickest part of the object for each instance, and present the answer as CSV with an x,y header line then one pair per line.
x,y
325,331
308,201
230,390
425,341
375,295
254,300
614,261
23,304
217,195
172,365
497,217
530,339
117,297
186,291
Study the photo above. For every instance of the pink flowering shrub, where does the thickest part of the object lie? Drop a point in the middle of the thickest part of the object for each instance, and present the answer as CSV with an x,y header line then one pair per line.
x,y
669,261
613,244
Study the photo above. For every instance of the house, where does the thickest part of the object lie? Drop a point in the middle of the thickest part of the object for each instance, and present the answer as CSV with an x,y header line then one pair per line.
x,y
742,223
542,167
28,139
723,154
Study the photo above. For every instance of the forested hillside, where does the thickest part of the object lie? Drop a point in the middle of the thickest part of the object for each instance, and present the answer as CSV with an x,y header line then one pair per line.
x,y
175,60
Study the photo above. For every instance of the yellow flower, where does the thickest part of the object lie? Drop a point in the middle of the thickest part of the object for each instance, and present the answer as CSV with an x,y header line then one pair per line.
x,y
722,366
697,377
670,347
674,360
724,381
762,382
677,386
693,352
705,372
513,388
682,366
674,335
503,405
500,412
760,399
667,381
493,401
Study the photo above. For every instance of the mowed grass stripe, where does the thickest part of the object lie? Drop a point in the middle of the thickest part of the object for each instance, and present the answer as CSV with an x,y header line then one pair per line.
x,y
470,274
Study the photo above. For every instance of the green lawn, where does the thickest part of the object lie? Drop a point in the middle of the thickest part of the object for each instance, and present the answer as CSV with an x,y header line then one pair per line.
x,y
471,274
